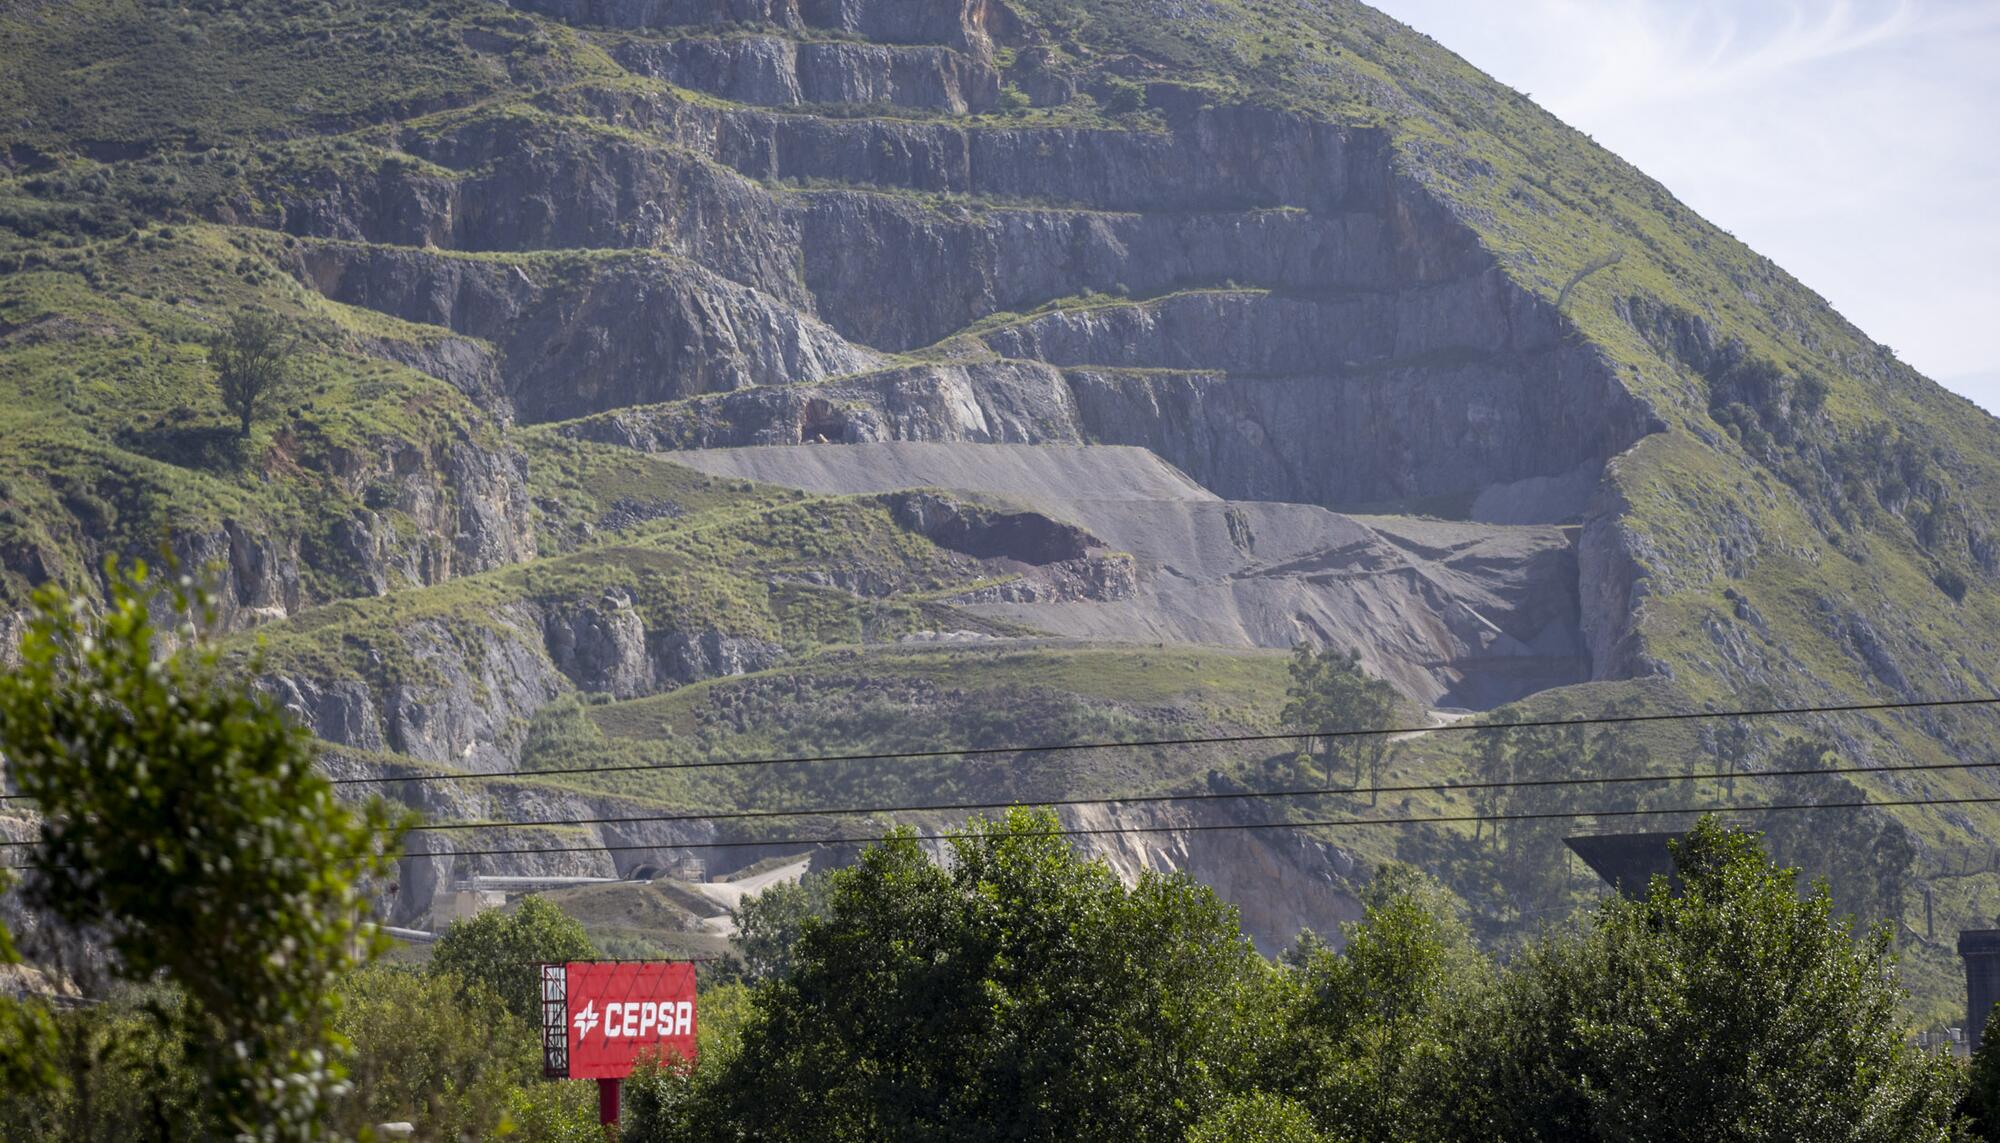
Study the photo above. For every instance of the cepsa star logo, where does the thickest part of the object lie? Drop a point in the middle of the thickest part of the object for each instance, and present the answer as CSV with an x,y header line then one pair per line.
x,y
586,1020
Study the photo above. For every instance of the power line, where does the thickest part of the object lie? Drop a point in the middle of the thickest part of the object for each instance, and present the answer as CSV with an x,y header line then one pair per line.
x,y
1211,827
1144,744
1207,827
1208,796
1213,740
1204,796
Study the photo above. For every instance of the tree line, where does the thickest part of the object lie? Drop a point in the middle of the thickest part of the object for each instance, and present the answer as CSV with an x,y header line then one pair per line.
x,y
1018,992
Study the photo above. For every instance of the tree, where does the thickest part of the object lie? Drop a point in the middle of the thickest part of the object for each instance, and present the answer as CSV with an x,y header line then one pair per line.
x,y
1018,993
1528,860
1260,1117
184,824
1735,1011
499,949
28,1032
1329,690
431,1051
253,362
125,1074
1981,1105
768,925
1373,1029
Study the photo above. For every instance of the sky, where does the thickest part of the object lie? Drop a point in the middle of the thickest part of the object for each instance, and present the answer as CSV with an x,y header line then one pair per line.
x,y
1854,142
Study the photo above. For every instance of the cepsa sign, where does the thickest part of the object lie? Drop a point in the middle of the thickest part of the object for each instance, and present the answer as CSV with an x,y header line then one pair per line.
x,y
599,1019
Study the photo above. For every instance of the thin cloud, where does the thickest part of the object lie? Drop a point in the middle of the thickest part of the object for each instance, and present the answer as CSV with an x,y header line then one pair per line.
x,y
1668,52
1844,138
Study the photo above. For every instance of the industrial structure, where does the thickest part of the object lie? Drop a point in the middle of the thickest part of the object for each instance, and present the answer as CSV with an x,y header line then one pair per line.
x,y
1627,861
1980,949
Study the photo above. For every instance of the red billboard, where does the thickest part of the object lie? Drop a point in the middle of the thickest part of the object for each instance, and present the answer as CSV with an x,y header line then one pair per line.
x,y
600,1019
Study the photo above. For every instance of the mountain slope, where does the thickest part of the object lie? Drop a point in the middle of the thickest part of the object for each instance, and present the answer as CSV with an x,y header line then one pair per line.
x,y
1323,271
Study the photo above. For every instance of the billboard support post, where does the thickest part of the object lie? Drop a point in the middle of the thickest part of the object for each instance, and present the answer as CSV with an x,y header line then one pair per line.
x,y
607,1106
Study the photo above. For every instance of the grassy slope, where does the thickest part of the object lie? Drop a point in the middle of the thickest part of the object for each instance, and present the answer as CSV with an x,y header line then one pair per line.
x,y
112,432
734,565
123,114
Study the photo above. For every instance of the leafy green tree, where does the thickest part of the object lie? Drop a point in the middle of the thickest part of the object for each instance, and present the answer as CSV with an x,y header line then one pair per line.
x,y
429,1051
1329,690
769,925
499,949
1016,993
662,1098
253,358
554,1113
1735,1011
1527,860
184,822
126,1075
1259,1117
1373,1029
27,1030
1981,1103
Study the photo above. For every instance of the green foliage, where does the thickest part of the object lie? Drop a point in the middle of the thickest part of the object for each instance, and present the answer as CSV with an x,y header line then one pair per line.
x,y
1738,1010
1373,1034
1121,96
1981,1104
421,1049
183,820
125,1074
1018,994
27,1029
1261,1117
769,925
1330,691
555,1113
429,1050
1527,857
659,1101
253,362
726,1010
27,1048
500,949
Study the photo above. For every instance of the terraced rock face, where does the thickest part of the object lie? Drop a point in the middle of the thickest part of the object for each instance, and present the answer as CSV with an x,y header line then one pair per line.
x,y
1303,323
1255,296
1177,331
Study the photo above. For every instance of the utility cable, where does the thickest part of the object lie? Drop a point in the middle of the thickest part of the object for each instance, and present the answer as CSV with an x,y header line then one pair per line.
x,y
1212,740
1203,796
1144,744
1207,827
1229,796
1211,827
